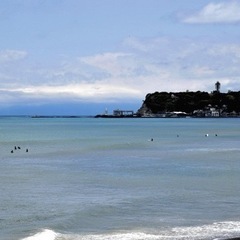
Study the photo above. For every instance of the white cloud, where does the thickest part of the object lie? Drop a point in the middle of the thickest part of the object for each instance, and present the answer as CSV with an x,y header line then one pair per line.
x,y
139,45
112,63
203,71
11,55
91,92
164,65
223,50
222,12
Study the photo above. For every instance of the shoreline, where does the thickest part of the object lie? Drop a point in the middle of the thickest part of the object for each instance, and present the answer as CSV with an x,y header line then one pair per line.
x,y
112,116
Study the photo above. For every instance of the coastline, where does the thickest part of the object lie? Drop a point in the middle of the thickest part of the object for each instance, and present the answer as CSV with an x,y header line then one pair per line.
x,y
113,116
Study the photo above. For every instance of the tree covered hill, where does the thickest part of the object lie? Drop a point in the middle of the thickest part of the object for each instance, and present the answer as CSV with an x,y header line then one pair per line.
x,y
192,103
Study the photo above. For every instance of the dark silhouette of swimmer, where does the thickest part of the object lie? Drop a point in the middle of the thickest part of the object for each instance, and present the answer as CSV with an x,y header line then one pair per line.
x,y
12,151
27,150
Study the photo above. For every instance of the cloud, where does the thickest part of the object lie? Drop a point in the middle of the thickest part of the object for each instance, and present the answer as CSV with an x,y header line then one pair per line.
x,y
224,50
84,92
222,12
114,64
161,64
11,55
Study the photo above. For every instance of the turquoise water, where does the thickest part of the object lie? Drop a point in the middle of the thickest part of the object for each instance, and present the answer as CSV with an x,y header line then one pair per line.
x,y
97,179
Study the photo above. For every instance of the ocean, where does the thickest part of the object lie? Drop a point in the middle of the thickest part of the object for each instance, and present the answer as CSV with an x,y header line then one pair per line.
x,y
119,179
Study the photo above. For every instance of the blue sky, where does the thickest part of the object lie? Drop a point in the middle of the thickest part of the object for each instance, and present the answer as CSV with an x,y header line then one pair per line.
x,y
79,57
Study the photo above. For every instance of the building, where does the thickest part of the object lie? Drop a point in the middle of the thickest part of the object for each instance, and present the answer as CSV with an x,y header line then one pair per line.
x,y
122,113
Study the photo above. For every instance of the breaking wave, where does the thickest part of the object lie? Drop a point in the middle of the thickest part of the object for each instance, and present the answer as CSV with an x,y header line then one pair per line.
x,y
216,231
45,234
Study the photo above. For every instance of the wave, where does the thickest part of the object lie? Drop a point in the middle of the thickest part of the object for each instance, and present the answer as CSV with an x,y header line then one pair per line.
x,y
216,231
218,150
45,234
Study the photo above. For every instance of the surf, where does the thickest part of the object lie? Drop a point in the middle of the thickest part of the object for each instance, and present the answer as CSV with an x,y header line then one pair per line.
x,y
45,234
216,231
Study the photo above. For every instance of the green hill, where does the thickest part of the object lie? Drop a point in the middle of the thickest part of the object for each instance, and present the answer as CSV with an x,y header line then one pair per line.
x,y
192,103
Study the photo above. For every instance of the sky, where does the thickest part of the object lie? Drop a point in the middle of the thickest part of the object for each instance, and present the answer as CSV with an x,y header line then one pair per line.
x,y
80,57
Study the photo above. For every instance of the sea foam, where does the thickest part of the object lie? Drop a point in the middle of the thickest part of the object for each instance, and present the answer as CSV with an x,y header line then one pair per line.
x,y
217,231
46,234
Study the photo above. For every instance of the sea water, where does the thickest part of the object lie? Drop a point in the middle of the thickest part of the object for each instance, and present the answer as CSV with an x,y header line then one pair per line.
x,y
133,179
